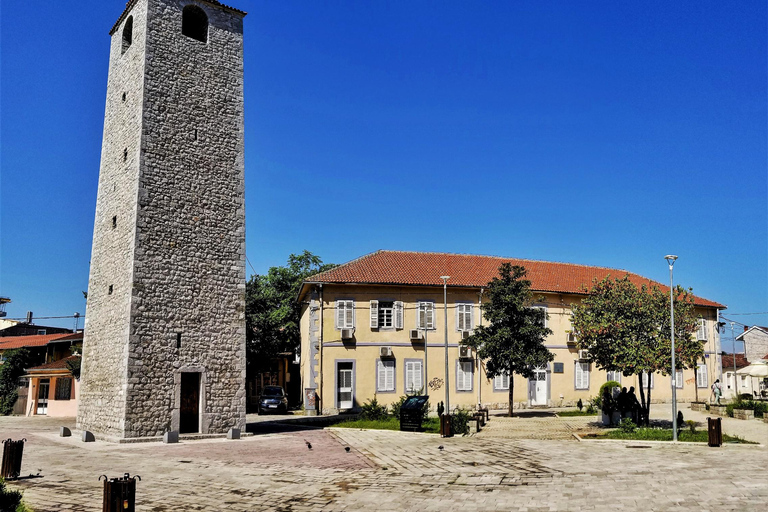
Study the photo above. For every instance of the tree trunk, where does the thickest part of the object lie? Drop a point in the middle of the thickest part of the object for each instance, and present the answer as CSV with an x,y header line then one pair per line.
x,y
643,406
648,406
511,389
695,386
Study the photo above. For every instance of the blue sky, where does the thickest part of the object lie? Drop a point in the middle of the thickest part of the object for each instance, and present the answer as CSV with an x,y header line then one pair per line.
x,y
602,133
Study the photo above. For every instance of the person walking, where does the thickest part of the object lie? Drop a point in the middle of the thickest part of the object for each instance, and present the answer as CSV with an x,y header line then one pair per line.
x,y
717,391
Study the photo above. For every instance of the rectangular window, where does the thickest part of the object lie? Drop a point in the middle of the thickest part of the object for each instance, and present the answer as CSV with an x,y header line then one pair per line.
x,y
345,314
425,318
679,379
386,314
385,375
63,388
558,367
464,320
413,378
744,381
645,380
615,376
701,375
501,382
464,373
702,332
41,331
544,320
582,375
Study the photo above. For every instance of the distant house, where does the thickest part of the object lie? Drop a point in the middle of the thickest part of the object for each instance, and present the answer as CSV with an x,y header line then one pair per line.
x,y
366,326
755,340
728,375
53,390
27,329
44,348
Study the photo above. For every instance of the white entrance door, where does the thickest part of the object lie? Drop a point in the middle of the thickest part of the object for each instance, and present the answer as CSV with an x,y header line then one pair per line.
x,y
42,396
344,381
539,387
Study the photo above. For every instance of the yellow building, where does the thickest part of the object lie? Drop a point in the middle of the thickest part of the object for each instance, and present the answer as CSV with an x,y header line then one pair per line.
x,y
375,327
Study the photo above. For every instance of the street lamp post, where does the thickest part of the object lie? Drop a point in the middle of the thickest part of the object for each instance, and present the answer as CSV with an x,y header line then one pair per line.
x,y
733,351
671,260
445,310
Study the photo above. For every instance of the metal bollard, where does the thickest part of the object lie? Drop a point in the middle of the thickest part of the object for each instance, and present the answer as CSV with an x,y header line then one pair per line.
x,y
714,431
120,493
12,453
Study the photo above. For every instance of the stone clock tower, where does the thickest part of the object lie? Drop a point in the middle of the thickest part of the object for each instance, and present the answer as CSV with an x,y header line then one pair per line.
x,y
164,346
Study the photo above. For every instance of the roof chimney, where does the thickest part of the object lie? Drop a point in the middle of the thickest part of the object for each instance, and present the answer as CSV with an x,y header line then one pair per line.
x,y
746,328
29,317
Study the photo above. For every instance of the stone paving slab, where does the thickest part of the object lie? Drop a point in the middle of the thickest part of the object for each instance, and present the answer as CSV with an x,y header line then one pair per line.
x,y
386,470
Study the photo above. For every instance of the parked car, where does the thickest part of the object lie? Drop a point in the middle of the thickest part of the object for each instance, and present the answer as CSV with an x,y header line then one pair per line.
x,y
273,399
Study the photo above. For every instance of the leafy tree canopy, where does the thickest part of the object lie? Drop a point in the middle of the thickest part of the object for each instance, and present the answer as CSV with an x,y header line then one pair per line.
x,y
627,329
16,362
513,341
272,313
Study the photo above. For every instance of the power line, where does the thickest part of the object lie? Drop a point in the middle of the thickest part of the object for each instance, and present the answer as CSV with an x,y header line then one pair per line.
x,y
741,314
249,263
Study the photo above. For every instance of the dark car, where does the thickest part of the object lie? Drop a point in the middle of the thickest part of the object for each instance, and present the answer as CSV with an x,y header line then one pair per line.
x,y
273,399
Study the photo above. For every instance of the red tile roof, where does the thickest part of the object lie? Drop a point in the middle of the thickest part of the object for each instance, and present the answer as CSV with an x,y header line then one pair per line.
x,y
741,361
61,364
466,270
37,340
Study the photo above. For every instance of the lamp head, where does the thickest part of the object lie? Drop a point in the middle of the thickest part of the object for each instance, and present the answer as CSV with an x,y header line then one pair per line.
x,y
445,278
670,259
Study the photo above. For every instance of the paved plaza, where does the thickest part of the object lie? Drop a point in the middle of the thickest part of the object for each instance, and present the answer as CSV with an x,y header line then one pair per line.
x,y
532,463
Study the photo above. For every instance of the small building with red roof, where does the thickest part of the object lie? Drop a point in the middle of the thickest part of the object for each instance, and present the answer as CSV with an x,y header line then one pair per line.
x,y
374,327
53,389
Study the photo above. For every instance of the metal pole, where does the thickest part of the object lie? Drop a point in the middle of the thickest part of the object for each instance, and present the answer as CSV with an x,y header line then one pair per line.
x,y
445,309
426,349
733,351
671,260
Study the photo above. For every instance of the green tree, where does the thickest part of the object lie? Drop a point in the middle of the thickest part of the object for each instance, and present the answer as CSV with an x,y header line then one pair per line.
x,y
271,310
513,341
16,362
627,329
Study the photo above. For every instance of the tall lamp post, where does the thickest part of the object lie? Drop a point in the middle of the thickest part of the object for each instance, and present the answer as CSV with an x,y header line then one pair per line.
x,y
733,351
671,260
445,310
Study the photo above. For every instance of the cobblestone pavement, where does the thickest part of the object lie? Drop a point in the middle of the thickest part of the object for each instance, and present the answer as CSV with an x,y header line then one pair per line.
x,y
392,471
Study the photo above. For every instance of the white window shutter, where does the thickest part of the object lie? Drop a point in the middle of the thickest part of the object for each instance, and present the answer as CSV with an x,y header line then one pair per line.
x,y
421,315
350,314
339,314
381,375
391,376
398,314
430,315
418,385
471,317
374,314
458,316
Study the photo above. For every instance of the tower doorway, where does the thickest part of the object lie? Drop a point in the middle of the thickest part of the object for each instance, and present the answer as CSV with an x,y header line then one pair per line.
x,y
189,413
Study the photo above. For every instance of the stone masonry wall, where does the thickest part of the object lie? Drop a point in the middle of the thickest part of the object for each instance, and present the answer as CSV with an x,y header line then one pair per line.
x,y
755,345
189,276
105,348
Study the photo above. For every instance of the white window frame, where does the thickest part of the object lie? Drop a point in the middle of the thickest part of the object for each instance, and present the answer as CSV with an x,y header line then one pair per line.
x,y
645,380
581,375
546,315
701,333
702,377
414,376
385,376
501,382
679,379
613,375
465,311
465,375
345,314
396,315
424,308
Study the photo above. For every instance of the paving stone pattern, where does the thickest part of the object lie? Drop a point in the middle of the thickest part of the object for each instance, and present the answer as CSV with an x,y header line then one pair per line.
x,y
387,470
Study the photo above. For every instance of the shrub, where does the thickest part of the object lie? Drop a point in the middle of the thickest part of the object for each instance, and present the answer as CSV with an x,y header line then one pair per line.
x,y
460,421
691,426
9,500
16,362
580,404
627,426
371,410
591,409
397,405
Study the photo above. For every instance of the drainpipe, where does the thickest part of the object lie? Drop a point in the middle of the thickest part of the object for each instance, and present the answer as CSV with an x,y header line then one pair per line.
x,y
477,358
319,405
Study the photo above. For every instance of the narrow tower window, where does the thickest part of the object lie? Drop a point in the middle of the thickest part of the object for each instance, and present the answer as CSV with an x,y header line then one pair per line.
x,y
178,340
125,95
114,222
127,33
125,155
110,290
194,23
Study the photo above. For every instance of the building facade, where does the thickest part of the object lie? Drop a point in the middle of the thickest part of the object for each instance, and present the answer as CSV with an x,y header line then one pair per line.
x,y
165,338
375,327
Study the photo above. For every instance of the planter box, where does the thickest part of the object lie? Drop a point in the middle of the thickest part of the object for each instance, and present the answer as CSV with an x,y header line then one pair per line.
x,y
616,418
718,410
744,414
698,406
765,418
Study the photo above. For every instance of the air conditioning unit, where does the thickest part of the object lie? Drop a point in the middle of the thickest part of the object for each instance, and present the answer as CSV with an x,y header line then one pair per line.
x,y
583,354
416,334
385,352
346,334
465,334
465,352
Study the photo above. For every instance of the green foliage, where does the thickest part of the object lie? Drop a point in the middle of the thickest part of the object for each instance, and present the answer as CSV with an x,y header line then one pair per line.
x,y
460,422
10,501
627,426
271,311
431,425
658,434
576,413
627,329
513,341
16,361
580,404
691,426
591,409
371,410
760,408
607,402
397,405
73,365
